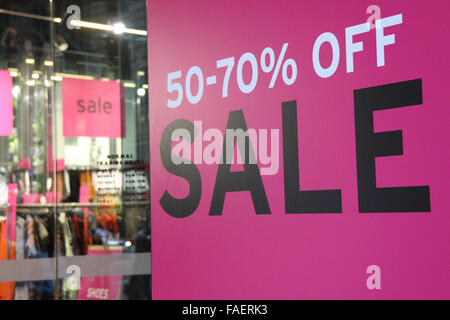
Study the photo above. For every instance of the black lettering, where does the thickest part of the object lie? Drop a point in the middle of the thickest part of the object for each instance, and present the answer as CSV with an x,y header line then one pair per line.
x,y
180,208
91,107
297,201
370,145
247,180
80,105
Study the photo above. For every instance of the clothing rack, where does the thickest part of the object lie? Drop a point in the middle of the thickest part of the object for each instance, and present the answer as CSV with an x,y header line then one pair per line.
x,y
73,205
39,208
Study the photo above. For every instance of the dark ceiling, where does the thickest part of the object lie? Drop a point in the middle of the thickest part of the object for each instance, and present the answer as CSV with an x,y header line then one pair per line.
x,y
91,52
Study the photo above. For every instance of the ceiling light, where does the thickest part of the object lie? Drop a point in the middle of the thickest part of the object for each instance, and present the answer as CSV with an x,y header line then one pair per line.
x,y
75,76
30,83
61,43
35,76
16,91
56,78
141,92
29,61
119,28
48,63
136,32
129,85
91,25
13,74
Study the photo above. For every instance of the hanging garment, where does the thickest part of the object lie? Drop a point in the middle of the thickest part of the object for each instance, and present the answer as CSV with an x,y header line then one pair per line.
x,y
86,180
107,216
58,185
42,235
66,185
30,240
37,246
66,234
24,183
82,234
21,288
74,184
78,233
6,288
67,294
73,238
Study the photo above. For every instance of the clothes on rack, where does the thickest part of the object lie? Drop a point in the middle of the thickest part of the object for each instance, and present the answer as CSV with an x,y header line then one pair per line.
x,y
77,227
6,288
59,183
86,180
21,288
74,185
37,246
69,248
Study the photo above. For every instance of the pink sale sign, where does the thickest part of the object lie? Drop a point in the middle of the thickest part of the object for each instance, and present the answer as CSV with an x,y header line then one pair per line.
x,y
92,108
6,104
299,149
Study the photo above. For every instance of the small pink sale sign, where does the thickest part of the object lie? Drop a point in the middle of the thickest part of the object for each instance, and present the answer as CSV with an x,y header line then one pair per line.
x,y
6,103
92,108
13,190
101,288
341,109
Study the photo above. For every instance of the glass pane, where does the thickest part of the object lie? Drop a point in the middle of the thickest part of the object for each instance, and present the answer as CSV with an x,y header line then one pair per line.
x,y
25,46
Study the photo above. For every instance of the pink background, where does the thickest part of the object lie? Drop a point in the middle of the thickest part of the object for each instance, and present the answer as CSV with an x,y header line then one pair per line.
x,y
306,256
89,124
6,104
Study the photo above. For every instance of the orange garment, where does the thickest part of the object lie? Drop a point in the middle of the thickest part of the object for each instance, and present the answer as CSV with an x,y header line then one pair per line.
x,y
108,222
58,185
86,180
107,217
85,235
6,288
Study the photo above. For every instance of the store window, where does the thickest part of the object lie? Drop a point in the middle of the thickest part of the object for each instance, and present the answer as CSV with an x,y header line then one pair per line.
x,y
74,150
